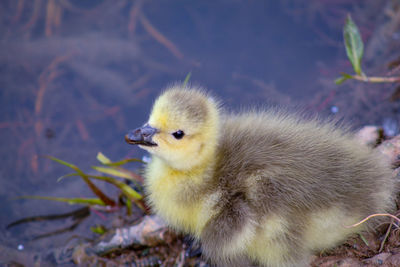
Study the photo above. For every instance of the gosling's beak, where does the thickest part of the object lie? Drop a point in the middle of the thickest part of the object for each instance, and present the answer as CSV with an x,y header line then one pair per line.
x,y
141,136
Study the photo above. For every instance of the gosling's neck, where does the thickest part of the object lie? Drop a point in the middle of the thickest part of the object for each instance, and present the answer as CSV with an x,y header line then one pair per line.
x,y
195,168
184,187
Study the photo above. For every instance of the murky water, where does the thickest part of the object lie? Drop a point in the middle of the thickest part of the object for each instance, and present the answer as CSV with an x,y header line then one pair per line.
x,y
76,77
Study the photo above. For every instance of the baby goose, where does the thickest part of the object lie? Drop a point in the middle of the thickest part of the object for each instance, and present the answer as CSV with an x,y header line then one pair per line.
x,y
262,188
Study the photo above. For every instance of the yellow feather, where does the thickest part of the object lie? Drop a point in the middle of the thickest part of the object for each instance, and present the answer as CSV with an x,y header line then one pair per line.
x,y
269,246
328,227
165,185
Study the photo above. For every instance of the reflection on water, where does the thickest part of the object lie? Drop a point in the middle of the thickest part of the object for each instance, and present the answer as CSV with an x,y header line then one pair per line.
x,y
75,76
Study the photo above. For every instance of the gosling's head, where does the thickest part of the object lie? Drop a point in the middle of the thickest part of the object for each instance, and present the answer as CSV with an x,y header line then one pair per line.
x,y
182,129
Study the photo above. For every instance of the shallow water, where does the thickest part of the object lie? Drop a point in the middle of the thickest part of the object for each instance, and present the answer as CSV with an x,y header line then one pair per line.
x,y
73,86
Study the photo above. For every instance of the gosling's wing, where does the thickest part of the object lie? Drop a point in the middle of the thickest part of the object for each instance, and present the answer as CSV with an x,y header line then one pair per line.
x,y
282,161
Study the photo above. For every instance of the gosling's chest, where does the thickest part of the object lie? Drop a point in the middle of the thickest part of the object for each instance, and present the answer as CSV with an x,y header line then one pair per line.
x,y
171,198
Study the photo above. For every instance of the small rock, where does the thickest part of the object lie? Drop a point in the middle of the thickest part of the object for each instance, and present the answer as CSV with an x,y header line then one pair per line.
x,y
379,259
151,231
390,149
334,109
393,260
390,127
370,135
336,261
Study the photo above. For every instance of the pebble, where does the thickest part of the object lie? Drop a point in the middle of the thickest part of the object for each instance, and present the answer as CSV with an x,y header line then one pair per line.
x,y
146,159
334,109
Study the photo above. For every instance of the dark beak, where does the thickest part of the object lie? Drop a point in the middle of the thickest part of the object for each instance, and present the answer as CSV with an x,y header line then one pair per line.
x,y
141,136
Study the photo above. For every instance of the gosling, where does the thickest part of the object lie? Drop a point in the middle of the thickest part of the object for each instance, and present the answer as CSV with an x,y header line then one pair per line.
x,y
257,188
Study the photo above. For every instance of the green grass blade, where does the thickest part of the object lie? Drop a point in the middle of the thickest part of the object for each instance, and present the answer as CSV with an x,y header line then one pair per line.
x,y
340,80
98,229
187,78
128,204
98,192
364,239
122,162
354,44
71,201
106,161
126,189
113,172
59,179
70,165
92,187
135,177
120,172
344,78
103,159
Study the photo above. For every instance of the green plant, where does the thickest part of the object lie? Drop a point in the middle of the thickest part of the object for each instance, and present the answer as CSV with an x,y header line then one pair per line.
x,y
355,50
111,170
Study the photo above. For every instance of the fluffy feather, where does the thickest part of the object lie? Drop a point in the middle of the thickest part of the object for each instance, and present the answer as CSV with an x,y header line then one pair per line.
x,y
264,188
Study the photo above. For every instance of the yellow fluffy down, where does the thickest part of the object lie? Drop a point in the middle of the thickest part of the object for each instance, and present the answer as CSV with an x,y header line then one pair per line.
x,y
261,187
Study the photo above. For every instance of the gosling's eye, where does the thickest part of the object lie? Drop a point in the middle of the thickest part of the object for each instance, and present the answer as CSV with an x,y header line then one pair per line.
x,y
178,134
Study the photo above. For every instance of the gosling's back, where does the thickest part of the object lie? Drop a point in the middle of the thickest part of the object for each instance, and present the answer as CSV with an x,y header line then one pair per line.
x,y
309,161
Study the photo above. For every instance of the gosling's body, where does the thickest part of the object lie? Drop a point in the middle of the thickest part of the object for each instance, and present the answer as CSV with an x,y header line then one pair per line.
x,y
259,187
